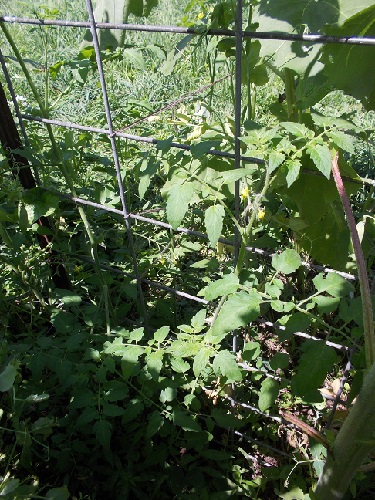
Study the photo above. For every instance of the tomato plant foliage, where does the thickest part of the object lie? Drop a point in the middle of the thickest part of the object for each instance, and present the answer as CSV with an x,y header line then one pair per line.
x,y
103,394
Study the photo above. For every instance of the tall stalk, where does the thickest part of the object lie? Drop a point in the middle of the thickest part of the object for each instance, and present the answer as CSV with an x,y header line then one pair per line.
x,y
355,441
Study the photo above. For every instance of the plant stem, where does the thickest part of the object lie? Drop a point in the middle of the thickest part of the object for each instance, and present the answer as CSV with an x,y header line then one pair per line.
x,y
353,444
355,441
368,318
247,232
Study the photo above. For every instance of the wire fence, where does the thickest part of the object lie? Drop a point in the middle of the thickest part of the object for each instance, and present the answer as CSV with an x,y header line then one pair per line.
x,y
239,35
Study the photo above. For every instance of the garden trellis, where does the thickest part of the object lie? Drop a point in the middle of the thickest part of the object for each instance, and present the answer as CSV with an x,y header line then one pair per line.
x,y
239,35
115,135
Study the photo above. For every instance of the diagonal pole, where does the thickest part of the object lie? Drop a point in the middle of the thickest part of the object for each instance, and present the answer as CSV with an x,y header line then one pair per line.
x,y
112,136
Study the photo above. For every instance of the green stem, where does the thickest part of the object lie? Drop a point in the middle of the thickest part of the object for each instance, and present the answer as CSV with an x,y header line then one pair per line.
x,y
353,444
247,232
64,166
290,92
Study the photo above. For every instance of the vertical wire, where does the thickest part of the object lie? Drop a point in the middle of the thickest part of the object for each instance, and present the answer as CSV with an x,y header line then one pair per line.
x,y
237,131
116,157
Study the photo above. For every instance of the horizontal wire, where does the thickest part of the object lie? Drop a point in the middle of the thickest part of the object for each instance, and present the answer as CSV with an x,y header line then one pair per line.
x,y
276,35
136,138
190,232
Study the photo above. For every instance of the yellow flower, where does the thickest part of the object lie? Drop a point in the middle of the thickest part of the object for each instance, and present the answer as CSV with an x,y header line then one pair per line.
x,y
261,214
244,193
200,15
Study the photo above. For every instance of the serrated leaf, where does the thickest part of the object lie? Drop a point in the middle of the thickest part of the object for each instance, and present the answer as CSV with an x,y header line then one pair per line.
x,y
198,320
316,362
224,286
230,176
334,284
286,262
240,309
178,202
269,391
293,168
201,360
321,156
179,365
342,140
186,421
275,159
7,378
154,363
213,220
103,430
145,175
299,130
161,334
155,422
225,364
137,334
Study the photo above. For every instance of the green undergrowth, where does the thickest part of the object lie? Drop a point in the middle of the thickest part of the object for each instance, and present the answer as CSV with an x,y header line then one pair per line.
x,y
238,372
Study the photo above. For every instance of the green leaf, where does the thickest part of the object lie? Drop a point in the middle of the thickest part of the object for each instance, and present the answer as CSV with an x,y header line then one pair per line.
x,y
58,493
275,159
168,394
224,286
316,362
147,171
225,364
251,351
286,262
240,309
179,365
155,422
200,149
155,363
334,284
185,420
279,361
321,156
179,197
213,220
293,168
7,378
230,176
137,334
342,140
103,430
161,334
38,203
299,130
225,419
164,145
269,391
326,304
133,409
201,360
198,320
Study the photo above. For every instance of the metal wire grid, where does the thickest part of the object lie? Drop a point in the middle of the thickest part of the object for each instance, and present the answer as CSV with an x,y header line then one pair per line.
x,y
239,35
